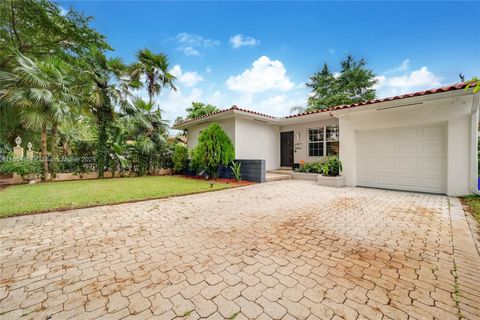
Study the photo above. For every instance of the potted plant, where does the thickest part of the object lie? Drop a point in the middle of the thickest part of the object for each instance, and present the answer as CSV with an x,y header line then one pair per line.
x,y
331,170
28,169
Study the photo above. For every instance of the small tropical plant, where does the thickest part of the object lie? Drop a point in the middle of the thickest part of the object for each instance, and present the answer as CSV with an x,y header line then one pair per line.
x,y
332,167
26,168
236,167
214,149
180,158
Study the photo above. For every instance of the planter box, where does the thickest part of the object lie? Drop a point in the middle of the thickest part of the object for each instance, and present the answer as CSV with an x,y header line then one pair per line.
x,y
338,181
305,176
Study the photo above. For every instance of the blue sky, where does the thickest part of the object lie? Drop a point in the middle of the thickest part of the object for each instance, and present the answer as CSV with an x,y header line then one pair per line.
x,y
259,55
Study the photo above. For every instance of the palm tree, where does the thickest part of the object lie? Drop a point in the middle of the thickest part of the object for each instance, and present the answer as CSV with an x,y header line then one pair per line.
x,y
148,129
154,67
41,92
110,87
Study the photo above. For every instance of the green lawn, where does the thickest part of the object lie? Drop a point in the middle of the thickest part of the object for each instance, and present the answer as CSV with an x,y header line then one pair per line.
x,y
473,202
43,197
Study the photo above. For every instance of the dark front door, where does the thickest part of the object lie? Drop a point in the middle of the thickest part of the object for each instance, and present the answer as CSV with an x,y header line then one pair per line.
x,y
286,149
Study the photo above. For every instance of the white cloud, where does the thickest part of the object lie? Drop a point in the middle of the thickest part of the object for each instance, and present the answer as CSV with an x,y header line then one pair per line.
x,y
63,11
264,75
240,40
173,103
188,78
189,51
402,67
217,98
410,82
191,43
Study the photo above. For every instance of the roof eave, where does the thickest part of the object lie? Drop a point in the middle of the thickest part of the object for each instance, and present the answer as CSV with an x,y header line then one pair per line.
x,y
223,115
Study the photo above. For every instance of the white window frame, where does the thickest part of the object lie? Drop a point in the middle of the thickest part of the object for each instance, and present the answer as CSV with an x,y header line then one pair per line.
x,y
324,141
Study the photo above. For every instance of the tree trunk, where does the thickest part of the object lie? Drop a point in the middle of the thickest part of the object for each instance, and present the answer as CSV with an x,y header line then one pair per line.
x,y
44,152
53,150
104,118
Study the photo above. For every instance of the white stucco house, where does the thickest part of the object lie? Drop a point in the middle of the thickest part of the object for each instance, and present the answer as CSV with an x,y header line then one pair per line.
x,y
424,141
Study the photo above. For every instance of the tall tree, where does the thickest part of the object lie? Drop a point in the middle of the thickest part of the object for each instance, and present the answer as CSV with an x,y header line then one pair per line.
x,y
199,109
40,27
109,87
148,130
41,91
353,84
154,69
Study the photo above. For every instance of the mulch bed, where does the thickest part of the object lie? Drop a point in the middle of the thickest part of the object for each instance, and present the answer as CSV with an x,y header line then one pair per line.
x,y
234,182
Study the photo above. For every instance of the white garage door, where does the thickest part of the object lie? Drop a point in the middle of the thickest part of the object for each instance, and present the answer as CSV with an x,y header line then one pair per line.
x,y
407,158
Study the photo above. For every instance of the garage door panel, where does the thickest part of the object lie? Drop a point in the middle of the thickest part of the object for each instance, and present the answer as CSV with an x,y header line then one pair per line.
x,y
409,165
427,165
366,149
386,164
433,148
386,180
387,148
408,148
433,132
433,183
409,133
411,158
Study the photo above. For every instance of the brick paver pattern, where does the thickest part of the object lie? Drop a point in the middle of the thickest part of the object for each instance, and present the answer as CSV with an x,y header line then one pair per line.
x,y
279,250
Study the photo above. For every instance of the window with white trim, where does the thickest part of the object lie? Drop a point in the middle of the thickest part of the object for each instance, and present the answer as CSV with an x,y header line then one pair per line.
x,y
323,141
315,142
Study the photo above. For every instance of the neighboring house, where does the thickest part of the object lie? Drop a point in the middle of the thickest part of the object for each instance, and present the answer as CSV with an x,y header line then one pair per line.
x,y
424,141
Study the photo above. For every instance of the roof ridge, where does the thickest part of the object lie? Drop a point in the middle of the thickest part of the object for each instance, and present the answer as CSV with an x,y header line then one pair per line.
x,y
233,107
450,87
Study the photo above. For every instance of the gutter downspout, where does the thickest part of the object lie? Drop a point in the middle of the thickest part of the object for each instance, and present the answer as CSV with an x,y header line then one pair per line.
x,y
474,145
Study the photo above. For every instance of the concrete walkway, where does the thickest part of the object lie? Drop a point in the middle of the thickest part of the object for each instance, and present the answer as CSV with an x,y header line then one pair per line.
x,y
280,250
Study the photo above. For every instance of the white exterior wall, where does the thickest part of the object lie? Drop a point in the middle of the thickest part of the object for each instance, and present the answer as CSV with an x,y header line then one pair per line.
x,y
453,112
228,125
252,139
257,140
302,131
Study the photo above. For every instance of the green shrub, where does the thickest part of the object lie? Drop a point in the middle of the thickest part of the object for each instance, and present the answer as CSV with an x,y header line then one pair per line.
x,y
180,158
312,167
332,167
22,167
213,150
236,168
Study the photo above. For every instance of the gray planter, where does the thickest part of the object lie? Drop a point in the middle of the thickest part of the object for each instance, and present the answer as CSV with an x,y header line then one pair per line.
x,y
338,181
305,176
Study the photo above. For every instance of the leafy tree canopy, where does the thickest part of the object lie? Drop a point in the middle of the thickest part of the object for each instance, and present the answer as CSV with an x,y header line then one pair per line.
x,y
213,150
39,27
154,67
353,84
199,109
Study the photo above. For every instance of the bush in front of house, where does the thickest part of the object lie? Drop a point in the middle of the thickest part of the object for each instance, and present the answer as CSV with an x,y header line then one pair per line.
x,y
180,158
332,167
214,149
312,167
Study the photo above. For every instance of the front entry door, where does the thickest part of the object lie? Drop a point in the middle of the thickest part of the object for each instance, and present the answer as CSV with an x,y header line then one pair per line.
x,y
286,149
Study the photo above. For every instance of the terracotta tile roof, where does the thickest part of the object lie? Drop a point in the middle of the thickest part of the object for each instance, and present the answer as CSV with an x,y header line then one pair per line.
x,y
453,87
234,107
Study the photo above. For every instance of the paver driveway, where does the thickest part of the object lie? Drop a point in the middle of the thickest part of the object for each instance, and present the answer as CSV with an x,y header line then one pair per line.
x,y
281,250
